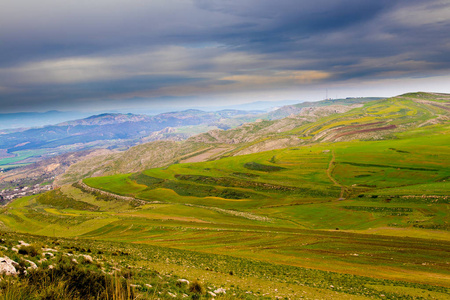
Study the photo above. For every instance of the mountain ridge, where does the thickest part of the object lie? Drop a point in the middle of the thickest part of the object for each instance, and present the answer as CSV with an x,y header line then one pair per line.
x,y
335,123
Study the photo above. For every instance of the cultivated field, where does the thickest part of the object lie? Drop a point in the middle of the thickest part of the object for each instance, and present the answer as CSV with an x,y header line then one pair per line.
x,y
332,218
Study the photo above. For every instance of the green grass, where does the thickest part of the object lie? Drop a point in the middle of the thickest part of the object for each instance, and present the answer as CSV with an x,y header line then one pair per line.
x,y
357,218
20,155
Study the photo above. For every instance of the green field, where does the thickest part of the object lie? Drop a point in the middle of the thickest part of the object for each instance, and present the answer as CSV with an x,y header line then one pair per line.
x,y
345,219
19,156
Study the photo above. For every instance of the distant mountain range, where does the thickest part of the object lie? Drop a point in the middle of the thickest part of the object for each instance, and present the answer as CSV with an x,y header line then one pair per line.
x,y
9,121
117,132
12,121
108,127
303,125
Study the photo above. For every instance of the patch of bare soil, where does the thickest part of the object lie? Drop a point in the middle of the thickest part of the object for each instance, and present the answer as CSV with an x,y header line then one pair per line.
x,y
206,155
4,154
366,130
360,125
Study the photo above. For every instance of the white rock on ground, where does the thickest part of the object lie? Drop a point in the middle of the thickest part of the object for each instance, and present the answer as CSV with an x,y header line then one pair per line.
x,y
7,266
22,243
32,266
87,257
212,294
220,291
49,250
183,281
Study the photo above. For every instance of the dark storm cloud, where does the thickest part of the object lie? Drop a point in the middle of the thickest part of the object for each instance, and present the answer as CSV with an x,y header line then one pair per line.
x,y
53,51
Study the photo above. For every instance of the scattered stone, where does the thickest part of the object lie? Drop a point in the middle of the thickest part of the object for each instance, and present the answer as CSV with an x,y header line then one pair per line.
x,y
51,267
134,285
7,266
32,266
3,247
172,295
48,253
74,260
49,250
87,257
212,294
15,249
148,285
183,281
185,296
220,291
22,243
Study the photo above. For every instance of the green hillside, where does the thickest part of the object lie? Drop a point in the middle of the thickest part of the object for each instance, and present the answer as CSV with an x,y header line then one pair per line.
x,y
325,121
357,208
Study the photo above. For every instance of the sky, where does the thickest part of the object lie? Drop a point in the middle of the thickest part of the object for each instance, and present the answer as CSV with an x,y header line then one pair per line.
x,y
132,54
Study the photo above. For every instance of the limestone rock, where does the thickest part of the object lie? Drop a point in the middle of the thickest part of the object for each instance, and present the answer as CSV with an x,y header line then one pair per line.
x,y
8,266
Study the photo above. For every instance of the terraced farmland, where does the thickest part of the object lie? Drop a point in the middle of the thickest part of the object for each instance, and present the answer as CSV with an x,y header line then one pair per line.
x,y
332,217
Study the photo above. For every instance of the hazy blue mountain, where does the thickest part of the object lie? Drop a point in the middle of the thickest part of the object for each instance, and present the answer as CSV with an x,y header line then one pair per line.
x,y
37,119
107,126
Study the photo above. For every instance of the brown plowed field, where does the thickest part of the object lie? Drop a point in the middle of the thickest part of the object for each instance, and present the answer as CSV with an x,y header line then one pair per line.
x,y
365,130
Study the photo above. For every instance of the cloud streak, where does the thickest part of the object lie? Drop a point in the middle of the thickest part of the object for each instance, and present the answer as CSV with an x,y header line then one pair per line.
x,y
55,52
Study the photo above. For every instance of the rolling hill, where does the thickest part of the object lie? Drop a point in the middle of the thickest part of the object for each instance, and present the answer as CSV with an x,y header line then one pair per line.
x,y
329,121
340,201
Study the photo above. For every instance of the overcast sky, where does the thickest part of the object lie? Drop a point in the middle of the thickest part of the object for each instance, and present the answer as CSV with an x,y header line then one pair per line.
x,y
118,54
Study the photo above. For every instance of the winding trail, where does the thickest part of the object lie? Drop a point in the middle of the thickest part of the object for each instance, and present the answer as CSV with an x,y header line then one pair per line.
x,y
330,169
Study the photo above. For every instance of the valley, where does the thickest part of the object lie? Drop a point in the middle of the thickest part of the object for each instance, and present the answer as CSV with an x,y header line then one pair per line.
x,y
346,199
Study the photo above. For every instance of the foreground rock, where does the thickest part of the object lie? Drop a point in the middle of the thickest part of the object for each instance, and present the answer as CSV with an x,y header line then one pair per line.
x,y
8,266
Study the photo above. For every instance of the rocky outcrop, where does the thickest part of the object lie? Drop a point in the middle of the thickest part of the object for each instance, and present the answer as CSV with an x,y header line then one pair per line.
x,y
8,266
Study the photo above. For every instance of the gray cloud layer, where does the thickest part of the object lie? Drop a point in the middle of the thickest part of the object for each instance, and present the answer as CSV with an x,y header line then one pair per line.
x,y
68,53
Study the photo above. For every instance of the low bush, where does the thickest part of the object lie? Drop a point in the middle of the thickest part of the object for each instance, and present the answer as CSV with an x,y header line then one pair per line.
x,y
68,280
196,287
30,250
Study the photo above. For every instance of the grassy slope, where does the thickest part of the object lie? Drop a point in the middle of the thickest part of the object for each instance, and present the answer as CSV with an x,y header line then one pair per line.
x,y
249,137
288,216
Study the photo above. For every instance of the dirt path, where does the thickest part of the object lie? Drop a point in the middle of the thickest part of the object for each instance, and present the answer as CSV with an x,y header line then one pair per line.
x,y
330,171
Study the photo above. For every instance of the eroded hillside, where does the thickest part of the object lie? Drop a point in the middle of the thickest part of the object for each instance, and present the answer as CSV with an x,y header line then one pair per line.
x,y
325,121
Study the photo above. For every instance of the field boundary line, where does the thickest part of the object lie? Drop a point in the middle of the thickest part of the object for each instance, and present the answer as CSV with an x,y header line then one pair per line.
x,y
330,170
105,193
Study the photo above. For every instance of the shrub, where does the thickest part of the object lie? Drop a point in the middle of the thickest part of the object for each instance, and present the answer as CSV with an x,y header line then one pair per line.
x,y
29,250
72,281
196,287
15,290
260,167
